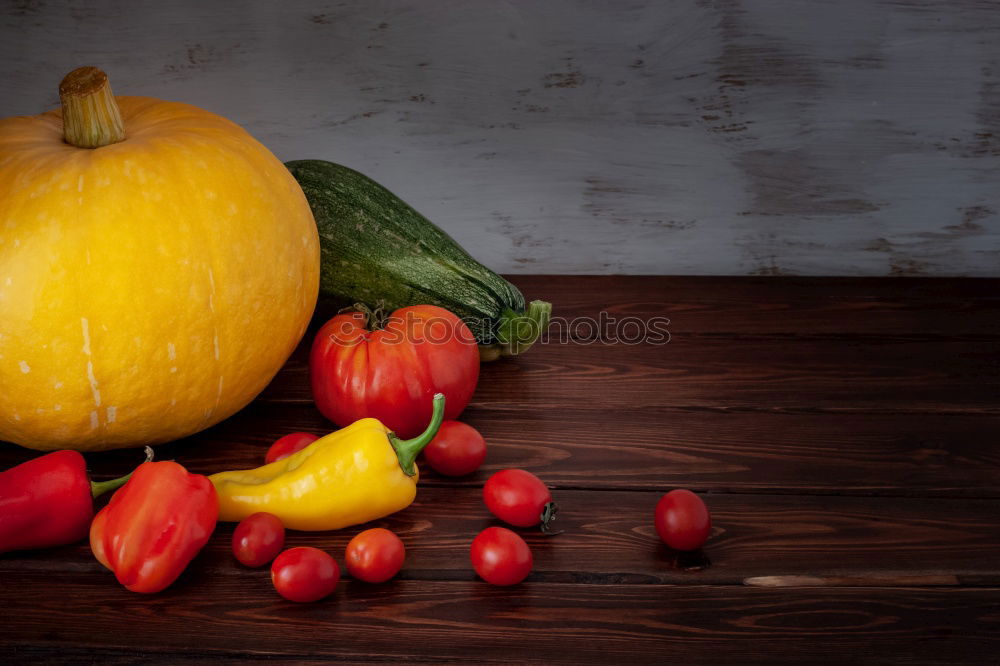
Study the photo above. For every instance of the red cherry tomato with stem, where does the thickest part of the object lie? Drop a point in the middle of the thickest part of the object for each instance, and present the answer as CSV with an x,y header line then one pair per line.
x,y
500,557
458,449
682,520
258,539
304,574
289,444
375,555
520,498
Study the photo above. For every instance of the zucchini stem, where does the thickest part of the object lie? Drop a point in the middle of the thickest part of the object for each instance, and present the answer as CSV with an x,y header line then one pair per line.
x,y
517,332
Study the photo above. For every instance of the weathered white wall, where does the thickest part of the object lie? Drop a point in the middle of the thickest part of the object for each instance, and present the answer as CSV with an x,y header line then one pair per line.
x,y
731,137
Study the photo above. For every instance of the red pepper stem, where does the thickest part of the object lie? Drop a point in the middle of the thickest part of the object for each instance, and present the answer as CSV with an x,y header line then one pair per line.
x,y
98,488
407,450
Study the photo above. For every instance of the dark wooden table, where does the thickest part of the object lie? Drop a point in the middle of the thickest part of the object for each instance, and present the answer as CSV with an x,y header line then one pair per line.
x,y
845,434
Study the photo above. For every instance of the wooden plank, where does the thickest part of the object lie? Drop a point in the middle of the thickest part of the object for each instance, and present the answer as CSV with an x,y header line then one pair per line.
x,y
608,538
736,136
791,433
756,374
240,617
743,415
867,454
749,343
861,454
790,306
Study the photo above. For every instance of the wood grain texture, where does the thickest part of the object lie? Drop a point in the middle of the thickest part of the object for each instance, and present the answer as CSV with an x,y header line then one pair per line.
x,y
471,622
608,539
752,452
843,434
758,407
813,307
724,374
696,136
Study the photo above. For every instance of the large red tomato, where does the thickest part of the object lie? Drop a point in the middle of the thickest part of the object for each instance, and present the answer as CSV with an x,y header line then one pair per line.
x,y
392,373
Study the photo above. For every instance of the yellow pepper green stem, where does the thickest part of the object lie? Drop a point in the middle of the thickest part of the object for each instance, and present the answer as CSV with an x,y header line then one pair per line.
x,y
407,450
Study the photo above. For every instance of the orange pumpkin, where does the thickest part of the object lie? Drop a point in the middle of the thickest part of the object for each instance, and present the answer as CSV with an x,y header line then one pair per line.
x,y
157,267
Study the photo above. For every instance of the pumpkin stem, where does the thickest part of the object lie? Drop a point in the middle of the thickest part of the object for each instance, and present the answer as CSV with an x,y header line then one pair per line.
x,y
91,118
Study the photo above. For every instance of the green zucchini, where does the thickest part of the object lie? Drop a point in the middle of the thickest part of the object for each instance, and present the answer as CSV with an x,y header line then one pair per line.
x,y
377,250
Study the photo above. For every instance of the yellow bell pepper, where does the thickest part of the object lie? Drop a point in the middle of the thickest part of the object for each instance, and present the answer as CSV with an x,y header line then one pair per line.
x,y
359,473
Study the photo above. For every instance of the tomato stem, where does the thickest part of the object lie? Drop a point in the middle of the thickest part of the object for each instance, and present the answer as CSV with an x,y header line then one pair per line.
x,y
407,450
375,319
549,512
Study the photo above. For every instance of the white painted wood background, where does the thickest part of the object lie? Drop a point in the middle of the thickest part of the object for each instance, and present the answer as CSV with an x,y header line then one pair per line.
x,y
857,137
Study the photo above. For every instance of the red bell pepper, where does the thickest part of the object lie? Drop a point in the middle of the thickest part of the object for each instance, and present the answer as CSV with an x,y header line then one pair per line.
x,y
48,501
155,525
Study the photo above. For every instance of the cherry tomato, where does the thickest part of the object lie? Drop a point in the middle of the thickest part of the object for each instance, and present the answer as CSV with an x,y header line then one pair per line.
x,y
500,556
375,555
304,574
258,538
682,520
519,498
458,449
289,444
